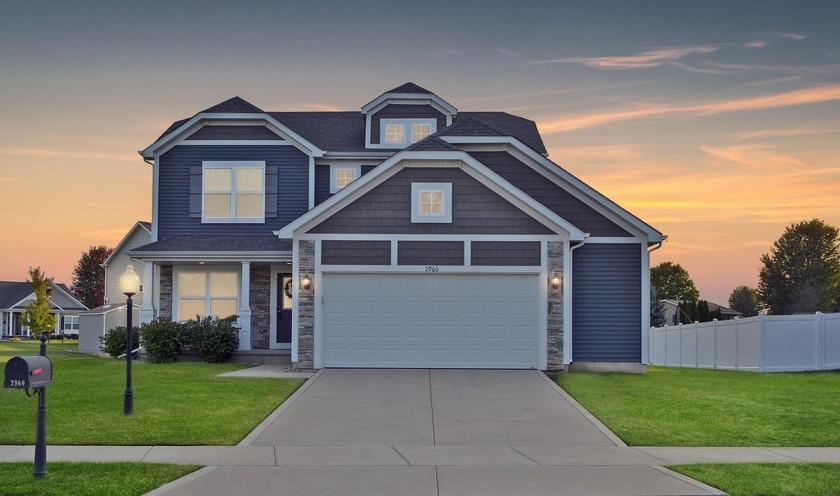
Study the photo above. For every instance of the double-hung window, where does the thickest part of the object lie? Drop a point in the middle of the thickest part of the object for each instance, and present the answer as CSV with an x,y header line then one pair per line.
x,y
403,132
71,324
210,292
233,192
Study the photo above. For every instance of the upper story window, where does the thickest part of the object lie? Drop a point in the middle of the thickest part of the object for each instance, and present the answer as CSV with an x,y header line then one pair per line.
x,y
343,175
403,132
431,202
233,192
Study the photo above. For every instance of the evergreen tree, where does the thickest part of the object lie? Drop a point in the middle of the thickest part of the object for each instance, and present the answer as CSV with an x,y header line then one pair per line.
x,y
801,274
37,315
657,310
703,314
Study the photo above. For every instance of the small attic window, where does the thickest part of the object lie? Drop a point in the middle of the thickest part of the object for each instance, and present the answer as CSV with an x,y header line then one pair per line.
x,y
398,133
431,203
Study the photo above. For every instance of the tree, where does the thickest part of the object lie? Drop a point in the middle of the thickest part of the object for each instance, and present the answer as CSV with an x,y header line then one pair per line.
x,y
673,282
89,276
745,300
37,315
657,310
801,274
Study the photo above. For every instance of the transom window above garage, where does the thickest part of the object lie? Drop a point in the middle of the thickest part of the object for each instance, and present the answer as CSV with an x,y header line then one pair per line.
x,y
403,132
431,202
343,175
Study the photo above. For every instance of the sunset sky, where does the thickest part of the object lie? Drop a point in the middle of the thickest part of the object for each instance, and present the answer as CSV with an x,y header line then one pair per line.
x,y
716,122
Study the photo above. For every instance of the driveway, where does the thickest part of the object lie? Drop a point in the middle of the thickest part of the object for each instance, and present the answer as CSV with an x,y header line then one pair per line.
x,y
438,432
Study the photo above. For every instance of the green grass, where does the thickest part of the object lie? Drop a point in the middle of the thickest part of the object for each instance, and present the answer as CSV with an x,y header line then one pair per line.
x,y
174,404
83,479
777,479
690,407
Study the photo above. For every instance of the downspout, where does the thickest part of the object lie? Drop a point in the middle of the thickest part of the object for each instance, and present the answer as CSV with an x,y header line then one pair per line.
x,y
650,250
567,344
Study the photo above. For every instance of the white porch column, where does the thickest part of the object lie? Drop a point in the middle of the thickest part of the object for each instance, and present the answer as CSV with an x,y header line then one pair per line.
x,y
147,308
245,308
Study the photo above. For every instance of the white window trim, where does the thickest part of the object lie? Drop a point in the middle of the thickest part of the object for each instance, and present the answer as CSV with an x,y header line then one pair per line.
x,y
334,188
70,319
443,218
407,128
232,165
176,298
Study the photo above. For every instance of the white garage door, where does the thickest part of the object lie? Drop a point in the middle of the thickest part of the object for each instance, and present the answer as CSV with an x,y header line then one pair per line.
x,y
430,320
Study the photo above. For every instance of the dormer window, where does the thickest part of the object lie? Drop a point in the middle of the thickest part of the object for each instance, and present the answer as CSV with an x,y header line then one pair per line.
x,y
398,133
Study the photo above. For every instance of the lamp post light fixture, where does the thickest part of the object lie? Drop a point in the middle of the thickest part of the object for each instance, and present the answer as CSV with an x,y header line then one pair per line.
x,y
129,285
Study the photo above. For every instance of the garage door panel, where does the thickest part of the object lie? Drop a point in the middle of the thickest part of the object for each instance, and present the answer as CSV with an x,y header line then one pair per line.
x,y
430,320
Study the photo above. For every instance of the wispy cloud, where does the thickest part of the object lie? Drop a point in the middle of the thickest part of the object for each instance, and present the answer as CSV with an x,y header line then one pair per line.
x,y
507,52
782,132
698,70
556,91
447,52
757,156
644,60
790,36
755,44
63,154
609,153
799,97
799,70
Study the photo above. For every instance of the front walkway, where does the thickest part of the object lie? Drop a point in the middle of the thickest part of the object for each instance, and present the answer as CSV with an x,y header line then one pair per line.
x,y
436,432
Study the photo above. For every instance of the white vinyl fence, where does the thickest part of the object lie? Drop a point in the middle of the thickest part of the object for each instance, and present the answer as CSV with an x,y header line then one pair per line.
x,y
766,343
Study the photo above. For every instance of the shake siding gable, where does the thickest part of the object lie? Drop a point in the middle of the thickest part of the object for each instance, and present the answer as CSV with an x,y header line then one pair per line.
x,y
322,181
399,111
387,209
549,194
234,133
606,303
287,193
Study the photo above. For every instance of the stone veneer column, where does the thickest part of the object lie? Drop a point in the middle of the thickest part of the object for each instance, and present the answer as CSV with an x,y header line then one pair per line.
x,y
260,307
306,306
166,291
555,306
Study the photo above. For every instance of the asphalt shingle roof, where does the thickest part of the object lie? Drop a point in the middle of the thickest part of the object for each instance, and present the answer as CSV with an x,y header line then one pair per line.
x,y
12,292
217,244
235,105
409,88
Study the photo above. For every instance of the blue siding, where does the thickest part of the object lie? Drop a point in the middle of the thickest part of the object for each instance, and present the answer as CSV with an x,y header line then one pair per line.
x,y
292,191
607,303
322,181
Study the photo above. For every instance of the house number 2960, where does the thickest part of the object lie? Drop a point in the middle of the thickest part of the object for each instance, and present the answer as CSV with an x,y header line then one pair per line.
x,y
431,268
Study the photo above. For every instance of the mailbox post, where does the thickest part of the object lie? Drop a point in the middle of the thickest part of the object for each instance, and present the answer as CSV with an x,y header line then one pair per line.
x,y
35,373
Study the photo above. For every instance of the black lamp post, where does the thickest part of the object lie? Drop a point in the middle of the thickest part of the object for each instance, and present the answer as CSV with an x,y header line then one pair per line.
x,y
129,285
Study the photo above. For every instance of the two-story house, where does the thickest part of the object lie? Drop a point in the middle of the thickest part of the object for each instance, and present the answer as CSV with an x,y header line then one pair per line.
x,y
407,234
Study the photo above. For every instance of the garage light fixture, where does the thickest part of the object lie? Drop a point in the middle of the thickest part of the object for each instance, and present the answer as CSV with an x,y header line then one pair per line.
x,y
305,282
555,281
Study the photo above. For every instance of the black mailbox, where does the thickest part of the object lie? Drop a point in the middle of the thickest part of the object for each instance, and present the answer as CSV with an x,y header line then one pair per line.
x,y
28,372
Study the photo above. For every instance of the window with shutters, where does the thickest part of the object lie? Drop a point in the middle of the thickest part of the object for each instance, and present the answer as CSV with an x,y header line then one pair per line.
x,y
233,192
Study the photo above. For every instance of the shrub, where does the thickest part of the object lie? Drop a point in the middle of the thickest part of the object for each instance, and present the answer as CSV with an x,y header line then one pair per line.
x,y
114,341
160,339
214,340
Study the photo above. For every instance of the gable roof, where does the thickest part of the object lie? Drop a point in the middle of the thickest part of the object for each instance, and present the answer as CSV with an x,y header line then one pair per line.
x,y
235,105
140,224
14,293
409,87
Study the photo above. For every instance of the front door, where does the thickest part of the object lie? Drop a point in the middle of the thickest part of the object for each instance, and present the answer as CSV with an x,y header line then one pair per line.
x,y
284,310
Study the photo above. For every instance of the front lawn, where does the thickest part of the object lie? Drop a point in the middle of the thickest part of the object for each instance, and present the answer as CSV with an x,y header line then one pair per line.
x,y
174,404
83,479
759,479
691,407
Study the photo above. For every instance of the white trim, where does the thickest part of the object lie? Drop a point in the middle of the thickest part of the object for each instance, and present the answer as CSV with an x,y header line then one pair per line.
x,y
155,203
311,182
645,275
177,269
334,168
244,311
441,269
617,240
236,142
385,99
178,135
233,166
318,309
542,309
122,242
295,298
211,256
467,253
418,217
568,286
395,252
432,237
408,131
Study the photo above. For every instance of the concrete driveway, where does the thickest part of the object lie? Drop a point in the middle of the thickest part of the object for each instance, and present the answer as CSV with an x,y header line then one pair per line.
x,y
437,432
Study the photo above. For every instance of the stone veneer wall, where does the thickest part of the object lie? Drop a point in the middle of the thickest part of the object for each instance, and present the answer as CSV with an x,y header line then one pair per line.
x,y
306,307
555,307
260,299
166,291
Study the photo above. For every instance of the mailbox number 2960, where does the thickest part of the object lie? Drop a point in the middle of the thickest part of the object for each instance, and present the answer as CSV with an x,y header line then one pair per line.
x,y
432,268
17,382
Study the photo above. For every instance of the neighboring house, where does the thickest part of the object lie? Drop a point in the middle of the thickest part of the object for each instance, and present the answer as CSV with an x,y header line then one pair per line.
x,y
94,323
671,311
15,297
410,234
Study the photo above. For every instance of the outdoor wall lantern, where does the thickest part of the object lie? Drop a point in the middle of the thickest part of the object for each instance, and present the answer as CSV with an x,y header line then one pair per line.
x,y
305,282
129,285
555,281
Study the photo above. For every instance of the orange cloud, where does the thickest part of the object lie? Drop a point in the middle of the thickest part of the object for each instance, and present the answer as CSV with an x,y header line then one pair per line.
x,y
757,156
62,154
643,60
